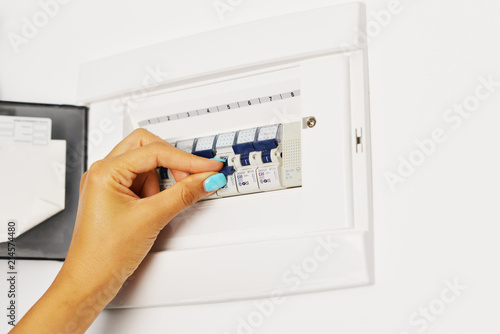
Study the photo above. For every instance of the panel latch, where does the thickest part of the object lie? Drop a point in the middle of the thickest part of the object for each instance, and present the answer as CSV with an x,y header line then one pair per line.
x,y
359,142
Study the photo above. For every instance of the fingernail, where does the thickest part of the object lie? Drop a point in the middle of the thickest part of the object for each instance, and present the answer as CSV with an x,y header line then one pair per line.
x,y
217,159
214,182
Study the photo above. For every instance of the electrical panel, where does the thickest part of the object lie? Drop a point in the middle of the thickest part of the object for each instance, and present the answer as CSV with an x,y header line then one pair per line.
x,y
287,112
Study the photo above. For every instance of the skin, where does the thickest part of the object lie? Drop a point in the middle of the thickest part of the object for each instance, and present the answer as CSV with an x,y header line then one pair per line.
x,y
120,214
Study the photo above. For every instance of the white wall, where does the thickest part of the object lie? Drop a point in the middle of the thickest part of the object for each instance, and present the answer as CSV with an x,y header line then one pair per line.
x,y
441,224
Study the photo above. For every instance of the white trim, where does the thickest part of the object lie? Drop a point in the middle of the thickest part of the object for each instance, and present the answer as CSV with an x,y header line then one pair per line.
x,y
323,46
283,39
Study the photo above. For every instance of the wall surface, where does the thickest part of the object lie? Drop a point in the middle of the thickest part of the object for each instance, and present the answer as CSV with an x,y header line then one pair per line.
x,y
434,75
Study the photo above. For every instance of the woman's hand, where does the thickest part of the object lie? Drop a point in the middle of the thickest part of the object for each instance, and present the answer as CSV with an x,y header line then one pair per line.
x,y
120,214
121,209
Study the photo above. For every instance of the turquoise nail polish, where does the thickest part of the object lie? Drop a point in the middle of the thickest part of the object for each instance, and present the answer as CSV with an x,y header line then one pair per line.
x,y
217,159
215,182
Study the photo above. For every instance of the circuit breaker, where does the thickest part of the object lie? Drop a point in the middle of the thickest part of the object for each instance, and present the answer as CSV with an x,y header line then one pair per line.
x,y
258,159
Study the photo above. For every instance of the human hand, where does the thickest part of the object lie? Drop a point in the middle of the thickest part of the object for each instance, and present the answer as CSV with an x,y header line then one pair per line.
x,y
120,214
121,210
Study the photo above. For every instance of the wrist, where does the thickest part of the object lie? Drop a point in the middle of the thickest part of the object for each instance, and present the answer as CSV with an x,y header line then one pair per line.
x,y
87,285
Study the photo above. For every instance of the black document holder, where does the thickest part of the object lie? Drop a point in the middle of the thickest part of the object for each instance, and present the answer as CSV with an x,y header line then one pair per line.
x,y
50,240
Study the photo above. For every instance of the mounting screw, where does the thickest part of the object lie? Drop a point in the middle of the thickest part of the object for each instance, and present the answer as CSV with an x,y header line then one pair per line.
x,y
311,122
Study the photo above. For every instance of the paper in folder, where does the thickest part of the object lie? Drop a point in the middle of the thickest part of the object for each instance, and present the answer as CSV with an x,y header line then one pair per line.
x,y
32,173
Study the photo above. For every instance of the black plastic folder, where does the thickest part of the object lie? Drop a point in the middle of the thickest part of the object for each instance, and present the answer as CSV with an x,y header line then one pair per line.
x,y
51,238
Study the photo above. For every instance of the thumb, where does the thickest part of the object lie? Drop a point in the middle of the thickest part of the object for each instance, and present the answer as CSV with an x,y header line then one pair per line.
x,y
167,204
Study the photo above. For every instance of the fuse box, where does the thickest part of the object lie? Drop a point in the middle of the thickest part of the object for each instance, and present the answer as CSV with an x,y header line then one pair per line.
x,y
288,113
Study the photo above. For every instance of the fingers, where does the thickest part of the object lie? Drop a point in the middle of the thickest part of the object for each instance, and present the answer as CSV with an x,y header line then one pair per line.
x,y
146,184
172,201
150,186
179,175
127,166
139,137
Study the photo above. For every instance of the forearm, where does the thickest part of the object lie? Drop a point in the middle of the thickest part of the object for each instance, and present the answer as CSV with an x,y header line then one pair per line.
x,y
70,305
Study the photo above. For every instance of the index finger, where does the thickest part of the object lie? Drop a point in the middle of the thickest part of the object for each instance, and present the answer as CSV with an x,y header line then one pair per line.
x,y
139,137
157,154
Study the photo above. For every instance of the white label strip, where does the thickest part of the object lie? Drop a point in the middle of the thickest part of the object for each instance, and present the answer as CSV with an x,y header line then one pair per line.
x,y
222,107
25,130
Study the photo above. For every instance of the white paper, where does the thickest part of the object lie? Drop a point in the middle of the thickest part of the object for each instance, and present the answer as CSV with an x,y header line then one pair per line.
x,y
16,130
32,184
